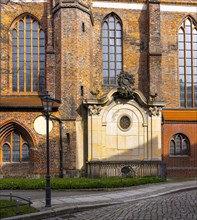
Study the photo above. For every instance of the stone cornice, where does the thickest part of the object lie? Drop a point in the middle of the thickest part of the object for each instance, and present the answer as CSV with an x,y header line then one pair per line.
x,y
25,102
137,95
73,4
179,2
180,115
154,1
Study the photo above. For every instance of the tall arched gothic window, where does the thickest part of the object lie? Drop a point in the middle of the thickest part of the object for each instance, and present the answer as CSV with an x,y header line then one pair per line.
x,y
112,48
187,42
28,56
15,148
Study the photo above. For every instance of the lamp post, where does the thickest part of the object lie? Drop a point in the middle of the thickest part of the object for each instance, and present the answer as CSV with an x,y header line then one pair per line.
x,y
47,103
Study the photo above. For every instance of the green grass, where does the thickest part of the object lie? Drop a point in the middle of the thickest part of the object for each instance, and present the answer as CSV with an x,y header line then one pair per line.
x,y
65,183
76,183
8,212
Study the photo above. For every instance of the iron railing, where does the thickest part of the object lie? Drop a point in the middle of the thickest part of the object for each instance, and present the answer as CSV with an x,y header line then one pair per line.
x,y
18,201
126,168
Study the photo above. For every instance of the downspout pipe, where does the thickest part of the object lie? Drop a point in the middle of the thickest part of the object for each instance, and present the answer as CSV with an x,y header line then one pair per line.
x,y
61,175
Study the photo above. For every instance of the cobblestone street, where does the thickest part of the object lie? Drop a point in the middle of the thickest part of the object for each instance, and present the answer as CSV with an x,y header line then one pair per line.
x,y
176,206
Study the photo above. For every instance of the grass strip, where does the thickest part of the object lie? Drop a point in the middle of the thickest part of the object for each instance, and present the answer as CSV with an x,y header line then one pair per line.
x,y
76,183
7,211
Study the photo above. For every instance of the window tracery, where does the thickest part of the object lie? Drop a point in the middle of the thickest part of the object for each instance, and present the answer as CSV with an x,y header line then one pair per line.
x,y
28,56
112,48
187,42
179,145
15,148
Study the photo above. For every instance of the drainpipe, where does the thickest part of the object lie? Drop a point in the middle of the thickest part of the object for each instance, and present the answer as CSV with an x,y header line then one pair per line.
x,y
61,144
151,149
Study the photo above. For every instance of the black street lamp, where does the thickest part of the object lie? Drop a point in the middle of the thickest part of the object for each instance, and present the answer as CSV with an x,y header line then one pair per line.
x,y
47,103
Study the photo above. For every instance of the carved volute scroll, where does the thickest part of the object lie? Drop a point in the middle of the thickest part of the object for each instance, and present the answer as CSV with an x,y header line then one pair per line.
x,y
94,109
155,110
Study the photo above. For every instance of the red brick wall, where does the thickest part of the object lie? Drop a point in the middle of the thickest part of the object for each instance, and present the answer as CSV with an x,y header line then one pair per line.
x,y
74,59
180,165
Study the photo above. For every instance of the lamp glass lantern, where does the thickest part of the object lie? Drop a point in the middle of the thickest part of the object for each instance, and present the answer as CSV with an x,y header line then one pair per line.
x,y
47,103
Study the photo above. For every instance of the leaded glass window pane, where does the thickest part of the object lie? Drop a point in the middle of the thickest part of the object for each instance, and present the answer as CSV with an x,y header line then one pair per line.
x,y
118,27
15,148
179,145
172,147
187,42
7,139
105,41
25,153
28,43
185,147
28,80
6,153
105,73
112,49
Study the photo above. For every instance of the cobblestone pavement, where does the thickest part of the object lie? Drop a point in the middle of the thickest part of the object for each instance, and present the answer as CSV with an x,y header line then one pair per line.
x,y
175,206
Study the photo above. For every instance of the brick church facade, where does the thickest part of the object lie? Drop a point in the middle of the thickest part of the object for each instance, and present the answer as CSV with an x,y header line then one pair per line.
x,y
126,75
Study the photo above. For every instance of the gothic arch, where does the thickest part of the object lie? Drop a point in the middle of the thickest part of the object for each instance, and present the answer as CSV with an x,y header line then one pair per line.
x,y
114,14
22,16
187,59
179,139
13,124
27,55
190,17
112,48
